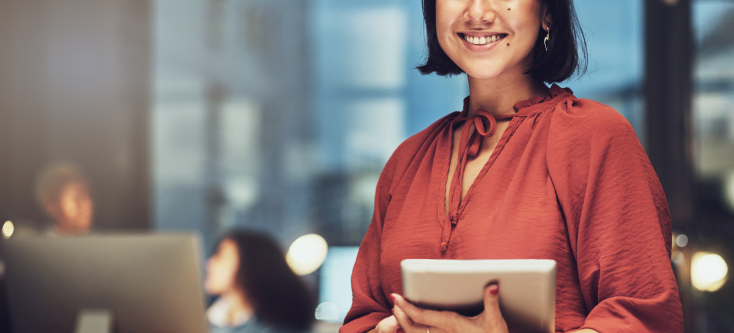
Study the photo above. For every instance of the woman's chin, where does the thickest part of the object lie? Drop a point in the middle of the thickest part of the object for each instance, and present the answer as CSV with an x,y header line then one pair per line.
x,y
482,70
211,290
482,73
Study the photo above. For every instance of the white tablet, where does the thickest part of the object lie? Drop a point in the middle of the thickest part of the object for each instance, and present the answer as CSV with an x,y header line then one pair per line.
x,y
527,289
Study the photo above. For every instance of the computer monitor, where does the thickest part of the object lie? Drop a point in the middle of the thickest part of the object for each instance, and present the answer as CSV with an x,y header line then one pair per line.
x,y
149,283
335,287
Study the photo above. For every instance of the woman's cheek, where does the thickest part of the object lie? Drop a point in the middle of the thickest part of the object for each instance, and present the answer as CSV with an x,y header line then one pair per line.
x,y
215,281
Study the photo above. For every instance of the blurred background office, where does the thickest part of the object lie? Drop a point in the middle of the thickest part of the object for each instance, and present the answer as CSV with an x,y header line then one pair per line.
x,y
204,115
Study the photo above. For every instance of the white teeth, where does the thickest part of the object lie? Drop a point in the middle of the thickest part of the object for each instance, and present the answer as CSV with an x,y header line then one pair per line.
x,y
482,40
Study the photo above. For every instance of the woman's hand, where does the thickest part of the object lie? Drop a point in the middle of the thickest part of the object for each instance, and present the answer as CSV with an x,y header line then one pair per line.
x,y
415,320
387,325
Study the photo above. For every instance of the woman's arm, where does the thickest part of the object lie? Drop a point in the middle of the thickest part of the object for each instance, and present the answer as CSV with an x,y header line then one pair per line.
x,y
369,302
617,220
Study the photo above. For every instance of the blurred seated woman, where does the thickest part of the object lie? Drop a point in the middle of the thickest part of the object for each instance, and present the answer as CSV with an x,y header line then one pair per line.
x,y
64,195
257,290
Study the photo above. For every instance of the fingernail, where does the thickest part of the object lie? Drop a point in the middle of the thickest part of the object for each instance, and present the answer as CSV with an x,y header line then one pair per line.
x,y
392,296
494,289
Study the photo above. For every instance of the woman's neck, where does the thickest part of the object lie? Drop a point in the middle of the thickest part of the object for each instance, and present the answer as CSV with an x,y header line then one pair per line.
x,y
499,95
240,309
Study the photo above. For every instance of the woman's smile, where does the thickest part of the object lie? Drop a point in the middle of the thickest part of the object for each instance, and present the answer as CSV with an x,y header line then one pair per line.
x,y
489,39
481,41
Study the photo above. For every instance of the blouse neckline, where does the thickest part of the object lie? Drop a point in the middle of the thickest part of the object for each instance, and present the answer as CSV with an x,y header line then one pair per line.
x,y
531,105
470,145
536,103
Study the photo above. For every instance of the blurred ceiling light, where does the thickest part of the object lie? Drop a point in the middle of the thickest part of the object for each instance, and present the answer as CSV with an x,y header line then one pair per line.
x,y
681,240
306,254
8,229
708,271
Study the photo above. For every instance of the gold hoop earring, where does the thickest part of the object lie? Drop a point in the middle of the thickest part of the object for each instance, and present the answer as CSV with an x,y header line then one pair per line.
x,y
545,40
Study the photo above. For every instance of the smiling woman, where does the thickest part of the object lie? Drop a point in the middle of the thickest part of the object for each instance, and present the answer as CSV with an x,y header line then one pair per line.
x,y
553,60
524,171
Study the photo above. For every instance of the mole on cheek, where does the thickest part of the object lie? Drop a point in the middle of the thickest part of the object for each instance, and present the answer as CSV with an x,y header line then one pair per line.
x,y
508,44
508,8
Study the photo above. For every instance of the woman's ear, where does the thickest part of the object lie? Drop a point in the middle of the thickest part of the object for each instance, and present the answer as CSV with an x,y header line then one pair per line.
x,y
547,20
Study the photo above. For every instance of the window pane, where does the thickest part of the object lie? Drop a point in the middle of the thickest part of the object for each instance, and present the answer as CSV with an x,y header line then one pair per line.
x,y
614,35
714,88
713,154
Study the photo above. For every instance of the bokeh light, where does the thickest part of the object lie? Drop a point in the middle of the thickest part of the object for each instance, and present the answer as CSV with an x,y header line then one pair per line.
x,y
327,311
681,240
307,253
708,271
8,229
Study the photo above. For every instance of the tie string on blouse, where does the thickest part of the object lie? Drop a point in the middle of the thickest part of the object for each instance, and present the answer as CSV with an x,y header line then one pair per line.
x,y
469,147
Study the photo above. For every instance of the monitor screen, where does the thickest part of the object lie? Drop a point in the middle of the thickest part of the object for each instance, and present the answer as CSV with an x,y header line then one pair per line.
x,y
335,289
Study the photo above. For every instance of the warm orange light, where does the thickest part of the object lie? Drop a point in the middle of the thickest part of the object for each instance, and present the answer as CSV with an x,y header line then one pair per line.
x,y
307,253
8,229
708,271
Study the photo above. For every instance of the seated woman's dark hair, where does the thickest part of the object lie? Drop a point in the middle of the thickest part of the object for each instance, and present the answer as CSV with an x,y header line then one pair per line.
x,y
278,296
559,63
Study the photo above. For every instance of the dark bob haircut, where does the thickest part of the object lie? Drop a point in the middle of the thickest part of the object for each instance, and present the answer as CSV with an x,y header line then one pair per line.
x,y
560,62
279,297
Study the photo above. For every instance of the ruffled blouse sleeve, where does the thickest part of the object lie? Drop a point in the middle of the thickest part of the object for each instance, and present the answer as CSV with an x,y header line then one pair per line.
x,y
617,219
369,303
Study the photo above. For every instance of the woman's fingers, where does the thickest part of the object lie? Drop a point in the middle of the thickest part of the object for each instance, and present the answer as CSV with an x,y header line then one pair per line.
x,y
413,319
492,300
431,318
403,319
492,313
388,325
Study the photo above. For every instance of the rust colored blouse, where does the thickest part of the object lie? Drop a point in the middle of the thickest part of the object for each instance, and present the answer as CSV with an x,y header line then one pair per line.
x,y
568,181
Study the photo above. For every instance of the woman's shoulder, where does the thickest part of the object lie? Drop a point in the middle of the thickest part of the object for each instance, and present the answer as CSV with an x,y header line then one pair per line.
x,y
583,133
588,120
408,151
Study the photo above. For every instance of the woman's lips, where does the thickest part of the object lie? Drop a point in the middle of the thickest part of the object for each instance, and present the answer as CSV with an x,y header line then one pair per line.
x,y
481,42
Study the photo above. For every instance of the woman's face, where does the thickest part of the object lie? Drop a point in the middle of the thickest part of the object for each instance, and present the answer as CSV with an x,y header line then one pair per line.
x,y
221,269
488,38
74,210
